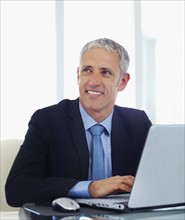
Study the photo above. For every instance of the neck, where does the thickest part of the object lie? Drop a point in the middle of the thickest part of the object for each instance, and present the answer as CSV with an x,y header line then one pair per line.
x,y
98,116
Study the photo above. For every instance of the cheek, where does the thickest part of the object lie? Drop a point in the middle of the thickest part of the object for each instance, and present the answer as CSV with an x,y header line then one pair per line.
x,y
81,82
112,86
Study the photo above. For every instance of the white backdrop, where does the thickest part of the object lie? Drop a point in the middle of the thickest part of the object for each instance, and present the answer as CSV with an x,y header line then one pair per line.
x,y
36,39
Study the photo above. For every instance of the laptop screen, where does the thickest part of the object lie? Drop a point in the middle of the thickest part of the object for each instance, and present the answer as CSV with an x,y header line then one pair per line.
x,y
160,178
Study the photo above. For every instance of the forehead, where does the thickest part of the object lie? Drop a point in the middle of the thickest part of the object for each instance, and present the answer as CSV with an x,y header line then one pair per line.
x,y
100,55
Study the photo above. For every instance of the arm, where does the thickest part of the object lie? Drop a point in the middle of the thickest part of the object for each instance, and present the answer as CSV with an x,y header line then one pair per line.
x,y
102,187
33,177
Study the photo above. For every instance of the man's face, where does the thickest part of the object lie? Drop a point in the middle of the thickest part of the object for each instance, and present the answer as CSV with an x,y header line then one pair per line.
x,y
99,81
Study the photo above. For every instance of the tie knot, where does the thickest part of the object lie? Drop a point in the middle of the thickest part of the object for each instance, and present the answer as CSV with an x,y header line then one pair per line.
x,y
96,130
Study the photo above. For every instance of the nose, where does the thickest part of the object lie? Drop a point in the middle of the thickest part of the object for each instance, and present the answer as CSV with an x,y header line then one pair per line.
x,y
95,79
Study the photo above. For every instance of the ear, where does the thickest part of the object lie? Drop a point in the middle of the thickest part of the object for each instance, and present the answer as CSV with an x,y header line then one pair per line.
x,y
123,81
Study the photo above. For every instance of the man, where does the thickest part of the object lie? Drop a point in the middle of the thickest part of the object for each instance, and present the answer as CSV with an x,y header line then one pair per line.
x,y
56,160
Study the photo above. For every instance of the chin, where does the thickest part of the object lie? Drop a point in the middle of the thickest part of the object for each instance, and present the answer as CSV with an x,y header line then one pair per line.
x,y
92,107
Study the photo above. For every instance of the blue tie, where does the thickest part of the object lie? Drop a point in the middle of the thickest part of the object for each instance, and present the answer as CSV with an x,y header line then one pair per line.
x,y
97,157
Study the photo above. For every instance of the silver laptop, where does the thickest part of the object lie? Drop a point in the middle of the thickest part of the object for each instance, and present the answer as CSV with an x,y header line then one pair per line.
x,y
160,178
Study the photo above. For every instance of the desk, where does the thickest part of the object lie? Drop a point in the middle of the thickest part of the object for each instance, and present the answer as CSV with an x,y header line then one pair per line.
x,y
93,214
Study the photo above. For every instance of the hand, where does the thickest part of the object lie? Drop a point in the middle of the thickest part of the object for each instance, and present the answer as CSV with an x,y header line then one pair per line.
x,y
111,185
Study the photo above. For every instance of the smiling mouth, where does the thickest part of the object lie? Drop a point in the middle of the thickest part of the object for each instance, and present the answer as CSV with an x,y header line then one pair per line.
x,y
94,92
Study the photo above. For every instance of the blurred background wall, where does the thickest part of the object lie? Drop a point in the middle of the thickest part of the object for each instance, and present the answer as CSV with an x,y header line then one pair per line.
x,y
41,42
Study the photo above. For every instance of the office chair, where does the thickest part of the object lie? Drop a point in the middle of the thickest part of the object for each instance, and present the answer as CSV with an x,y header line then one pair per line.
x,y
9,149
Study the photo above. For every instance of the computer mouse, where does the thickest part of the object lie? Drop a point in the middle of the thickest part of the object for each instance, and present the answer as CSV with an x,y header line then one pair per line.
x,y
65,204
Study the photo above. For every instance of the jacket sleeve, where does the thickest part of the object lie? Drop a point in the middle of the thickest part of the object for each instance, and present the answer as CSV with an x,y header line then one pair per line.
x,y
29,180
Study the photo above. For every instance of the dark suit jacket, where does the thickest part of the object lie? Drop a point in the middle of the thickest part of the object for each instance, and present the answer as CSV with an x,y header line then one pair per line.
x,y
54,155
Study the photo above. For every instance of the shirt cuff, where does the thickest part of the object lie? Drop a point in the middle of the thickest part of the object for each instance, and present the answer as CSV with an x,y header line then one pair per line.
x,y
80,190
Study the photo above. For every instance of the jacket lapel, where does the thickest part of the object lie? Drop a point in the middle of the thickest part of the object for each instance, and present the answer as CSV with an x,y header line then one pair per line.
x,y
79,138
119,140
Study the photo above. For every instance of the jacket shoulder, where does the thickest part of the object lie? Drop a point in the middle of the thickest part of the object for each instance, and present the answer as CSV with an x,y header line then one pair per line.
x,y
132,115
62,105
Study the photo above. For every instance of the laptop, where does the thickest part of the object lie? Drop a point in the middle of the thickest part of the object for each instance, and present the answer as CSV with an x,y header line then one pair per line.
x,y
160,178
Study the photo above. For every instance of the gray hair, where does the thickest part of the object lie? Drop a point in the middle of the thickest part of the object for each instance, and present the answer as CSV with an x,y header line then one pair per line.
x,y
111,46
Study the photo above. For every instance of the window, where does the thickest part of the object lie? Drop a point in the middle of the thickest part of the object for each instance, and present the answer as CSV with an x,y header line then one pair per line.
x,y
163,60
41,42
28,62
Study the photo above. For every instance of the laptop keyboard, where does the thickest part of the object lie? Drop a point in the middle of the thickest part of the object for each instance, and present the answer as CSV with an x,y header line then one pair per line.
x,y
111,200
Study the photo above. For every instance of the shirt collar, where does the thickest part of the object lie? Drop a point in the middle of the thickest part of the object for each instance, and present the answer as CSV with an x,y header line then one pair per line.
x,y
88,121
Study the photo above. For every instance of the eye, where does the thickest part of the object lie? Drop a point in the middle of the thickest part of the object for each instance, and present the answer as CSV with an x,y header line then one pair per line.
x,y
86,70
106,72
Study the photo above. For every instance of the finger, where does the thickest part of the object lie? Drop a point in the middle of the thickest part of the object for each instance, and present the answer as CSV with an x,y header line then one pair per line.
x,y
128,180
126,183
125,188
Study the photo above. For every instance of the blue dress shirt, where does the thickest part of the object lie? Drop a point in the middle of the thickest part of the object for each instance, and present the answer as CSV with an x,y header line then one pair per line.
x,y
81,188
